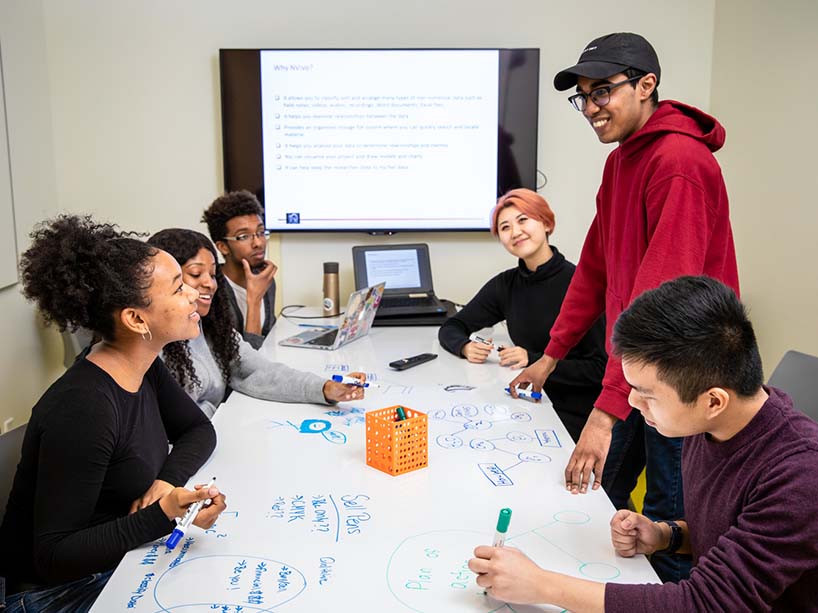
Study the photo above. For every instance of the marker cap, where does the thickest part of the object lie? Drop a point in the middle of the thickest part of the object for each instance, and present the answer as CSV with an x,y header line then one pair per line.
x,y
503,520
174,538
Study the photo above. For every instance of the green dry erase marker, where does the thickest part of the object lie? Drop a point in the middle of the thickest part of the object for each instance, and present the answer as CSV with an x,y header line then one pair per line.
x,y
401,414
502,527
503,520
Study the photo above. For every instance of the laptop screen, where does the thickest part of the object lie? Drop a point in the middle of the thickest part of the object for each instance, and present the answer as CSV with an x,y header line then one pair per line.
x,y
404,268
398,268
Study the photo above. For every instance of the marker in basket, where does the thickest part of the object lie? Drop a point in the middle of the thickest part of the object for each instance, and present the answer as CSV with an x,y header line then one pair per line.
x,y
503,520
352,381
183,524
401,414
524,393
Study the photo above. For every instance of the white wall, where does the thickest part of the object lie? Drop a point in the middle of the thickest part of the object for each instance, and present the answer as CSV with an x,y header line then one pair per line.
x,y
113,108
765,90
31,357
132,93
136,105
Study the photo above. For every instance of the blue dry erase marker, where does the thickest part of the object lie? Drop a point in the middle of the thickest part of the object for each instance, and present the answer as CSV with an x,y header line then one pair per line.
x,y
190,515
503,520
524,393
317,326
349,380
401,414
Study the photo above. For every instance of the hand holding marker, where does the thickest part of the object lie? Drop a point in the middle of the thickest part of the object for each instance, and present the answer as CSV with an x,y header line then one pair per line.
x,y
489,342
352,381
503,520
184,523
524,393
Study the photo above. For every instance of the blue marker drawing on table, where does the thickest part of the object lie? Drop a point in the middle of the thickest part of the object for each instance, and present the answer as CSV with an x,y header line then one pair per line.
x,y
370,376
314,426
351,415
322,427
322,515
470,419
247,583
423,571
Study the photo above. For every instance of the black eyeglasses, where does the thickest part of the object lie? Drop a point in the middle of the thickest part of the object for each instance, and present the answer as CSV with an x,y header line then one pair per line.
x,y
242,238
600,96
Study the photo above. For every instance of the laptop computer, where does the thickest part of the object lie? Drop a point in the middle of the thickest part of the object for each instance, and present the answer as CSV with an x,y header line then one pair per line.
x,y
358,317
407,273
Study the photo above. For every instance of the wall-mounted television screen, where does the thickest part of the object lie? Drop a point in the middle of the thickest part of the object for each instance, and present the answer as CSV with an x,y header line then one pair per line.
x,y
379,140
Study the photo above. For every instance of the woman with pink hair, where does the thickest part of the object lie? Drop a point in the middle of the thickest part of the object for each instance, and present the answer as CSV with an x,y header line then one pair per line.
x,y
528,297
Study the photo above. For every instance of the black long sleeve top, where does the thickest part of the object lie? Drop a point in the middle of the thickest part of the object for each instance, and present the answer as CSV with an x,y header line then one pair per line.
x,y
529,302
90,449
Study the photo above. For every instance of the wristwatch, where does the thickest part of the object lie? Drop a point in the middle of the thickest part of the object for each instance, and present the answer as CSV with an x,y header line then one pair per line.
x,y
676,537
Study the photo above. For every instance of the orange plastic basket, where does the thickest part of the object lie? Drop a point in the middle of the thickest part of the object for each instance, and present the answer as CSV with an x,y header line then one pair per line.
x,y
397,447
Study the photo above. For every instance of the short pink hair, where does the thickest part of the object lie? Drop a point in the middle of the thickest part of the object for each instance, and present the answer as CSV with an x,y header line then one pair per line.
x,y
530,203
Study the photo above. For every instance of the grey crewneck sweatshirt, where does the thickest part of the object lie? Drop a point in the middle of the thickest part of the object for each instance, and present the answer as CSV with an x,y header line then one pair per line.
x,y
254,375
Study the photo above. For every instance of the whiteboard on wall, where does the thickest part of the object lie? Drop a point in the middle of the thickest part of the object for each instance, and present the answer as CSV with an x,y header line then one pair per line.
x,y
8,247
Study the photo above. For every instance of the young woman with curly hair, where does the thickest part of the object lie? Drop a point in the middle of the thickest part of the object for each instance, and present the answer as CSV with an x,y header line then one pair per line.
x,y
95,478
208,364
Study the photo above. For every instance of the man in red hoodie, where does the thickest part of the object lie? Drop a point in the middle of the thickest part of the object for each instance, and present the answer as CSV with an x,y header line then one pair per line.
x,y
661,212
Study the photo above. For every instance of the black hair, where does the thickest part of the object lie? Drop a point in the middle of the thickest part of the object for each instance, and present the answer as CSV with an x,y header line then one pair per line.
x,y
218,325
80,273
695,331
635,72
226,207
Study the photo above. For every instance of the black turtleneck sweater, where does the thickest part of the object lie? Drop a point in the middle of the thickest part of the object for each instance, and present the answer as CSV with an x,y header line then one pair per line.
x,y
529,302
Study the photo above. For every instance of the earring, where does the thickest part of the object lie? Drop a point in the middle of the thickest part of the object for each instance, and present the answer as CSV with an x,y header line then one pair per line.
x,y
150,336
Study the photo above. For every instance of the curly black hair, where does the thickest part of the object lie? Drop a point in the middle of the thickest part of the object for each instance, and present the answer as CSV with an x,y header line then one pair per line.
x,y
226,207
218,325
80,273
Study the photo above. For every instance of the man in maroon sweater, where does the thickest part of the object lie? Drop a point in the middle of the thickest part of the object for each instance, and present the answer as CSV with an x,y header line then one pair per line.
x,y
661,212
690,358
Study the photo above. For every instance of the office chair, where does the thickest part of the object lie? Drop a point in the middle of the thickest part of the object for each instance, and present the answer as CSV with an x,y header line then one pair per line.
x,y
10,445
797,374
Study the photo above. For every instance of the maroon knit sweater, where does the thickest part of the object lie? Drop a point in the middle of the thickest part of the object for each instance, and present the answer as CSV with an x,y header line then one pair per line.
x,y
752,509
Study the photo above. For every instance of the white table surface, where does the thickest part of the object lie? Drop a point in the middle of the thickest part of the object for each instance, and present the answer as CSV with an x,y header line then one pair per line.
x,y
311,527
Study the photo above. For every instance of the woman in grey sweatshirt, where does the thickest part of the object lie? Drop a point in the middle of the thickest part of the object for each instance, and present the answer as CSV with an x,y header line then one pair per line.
x,y
218,358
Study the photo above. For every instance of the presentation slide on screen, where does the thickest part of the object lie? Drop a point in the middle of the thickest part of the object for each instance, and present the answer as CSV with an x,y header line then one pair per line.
x,y
398,268
388,139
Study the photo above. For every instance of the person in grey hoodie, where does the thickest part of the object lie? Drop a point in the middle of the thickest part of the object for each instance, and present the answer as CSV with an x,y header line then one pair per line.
x,y
219,358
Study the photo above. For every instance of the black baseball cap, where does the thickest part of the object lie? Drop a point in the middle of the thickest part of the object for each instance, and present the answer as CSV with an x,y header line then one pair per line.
x,y
609,55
